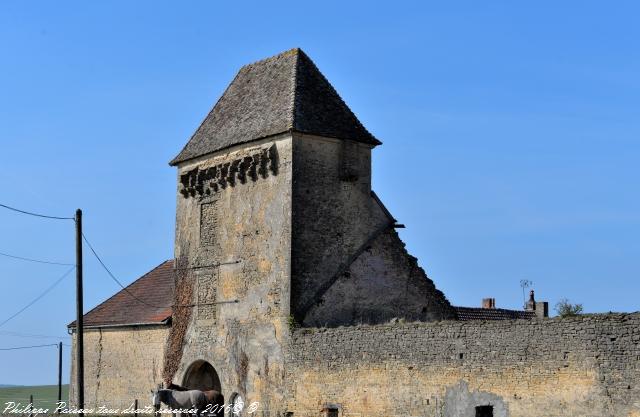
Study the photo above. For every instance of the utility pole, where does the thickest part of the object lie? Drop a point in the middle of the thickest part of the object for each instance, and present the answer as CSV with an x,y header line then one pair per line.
x,y
79,323
59,375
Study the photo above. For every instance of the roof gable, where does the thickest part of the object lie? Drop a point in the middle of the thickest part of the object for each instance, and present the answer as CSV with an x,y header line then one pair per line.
x,y
283,93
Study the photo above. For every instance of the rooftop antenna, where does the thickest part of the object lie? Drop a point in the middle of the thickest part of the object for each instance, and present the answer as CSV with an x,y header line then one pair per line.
x,y
524,284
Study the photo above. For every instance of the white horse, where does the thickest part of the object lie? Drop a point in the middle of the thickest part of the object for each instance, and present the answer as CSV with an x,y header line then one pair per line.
x,y
186,400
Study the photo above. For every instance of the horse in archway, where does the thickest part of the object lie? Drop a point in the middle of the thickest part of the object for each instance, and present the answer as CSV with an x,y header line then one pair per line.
x,y
185,400
214,399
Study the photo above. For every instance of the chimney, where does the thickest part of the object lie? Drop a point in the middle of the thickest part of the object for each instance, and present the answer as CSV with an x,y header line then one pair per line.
x,y
489,303
541,308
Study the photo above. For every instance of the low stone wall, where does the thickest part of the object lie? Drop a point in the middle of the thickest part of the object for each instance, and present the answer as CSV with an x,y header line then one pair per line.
x,y
120,365
583,366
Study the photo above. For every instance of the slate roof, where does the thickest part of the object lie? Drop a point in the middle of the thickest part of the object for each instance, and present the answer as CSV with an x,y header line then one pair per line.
x,y
155,289
473,313
283,93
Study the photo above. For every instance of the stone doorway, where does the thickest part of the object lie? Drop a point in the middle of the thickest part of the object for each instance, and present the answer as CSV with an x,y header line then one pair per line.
x,y
201,375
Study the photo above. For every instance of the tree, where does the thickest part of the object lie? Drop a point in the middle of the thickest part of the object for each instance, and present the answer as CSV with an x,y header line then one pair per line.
x,y
564,308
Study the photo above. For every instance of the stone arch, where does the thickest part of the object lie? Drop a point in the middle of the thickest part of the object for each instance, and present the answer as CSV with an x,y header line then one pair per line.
x,y
201,375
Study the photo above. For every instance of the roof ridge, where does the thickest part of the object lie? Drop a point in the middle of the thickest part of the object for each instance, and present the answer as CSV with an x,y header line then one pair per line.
x,y
292,51
294,89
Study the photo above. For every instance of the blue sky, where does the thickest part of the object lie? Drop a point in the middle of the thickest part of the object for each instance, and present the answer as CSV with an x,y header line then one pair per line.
x,y
510,130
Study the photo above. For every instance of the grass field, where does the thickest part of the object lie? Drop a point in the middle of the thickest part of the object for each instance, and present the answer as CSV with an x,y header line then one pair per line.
x,y
44,396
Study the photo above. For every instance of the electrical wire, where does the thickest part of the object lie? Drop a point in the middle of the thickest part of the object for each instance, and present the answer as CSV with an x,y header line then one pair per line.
x,y
39,297
35,336
126,290
29,347
35,214
35,260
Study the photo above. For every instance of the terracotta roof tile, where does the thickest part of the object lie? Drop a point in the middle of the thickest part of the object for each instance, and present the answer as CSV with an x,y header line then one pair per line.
x,y
154,293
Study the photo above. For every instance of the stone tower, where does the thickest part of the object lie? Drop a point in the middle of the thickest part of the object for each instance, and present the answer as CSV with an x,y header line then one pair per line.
x,y
277,226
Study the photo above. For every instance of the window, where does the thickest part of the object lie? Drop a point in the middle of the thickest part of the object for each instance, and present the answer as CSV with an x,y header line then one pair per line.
x,y
330,412
484,411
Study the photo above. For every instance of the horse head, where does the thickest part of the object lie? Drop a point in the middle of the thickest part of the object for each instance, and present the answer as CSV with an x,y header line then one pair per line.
x,y
155,398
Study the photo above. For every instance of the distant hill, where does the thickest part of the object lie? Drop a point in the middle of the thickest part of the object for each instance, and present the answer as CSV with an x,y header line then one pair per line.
x,y
7,385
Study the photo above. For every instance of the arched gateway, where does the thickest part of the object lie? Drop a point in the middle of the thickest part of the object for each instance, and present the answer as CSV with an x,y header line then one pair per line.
x,y
203,376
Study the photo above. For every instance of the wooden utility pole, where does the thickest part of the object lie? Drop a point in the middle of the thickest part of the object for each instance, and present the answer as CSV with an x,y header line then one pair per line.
x,y
59,375
79,323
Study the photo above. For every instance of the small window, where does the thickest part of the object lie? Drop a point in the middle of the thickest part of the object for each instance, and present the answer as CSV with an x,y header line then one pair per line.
x,y
331,412
484,411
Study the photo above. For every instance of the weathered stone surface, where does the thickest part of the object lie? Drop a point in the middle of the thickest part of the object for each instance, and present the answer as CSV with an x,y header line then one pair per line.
x,y
236,246
121,365
348,266
580,367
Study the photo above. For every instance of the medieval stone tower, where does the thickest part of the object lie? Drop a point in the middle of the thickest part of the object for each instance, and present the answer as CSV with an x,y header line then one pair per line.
x,y
277,226
288,272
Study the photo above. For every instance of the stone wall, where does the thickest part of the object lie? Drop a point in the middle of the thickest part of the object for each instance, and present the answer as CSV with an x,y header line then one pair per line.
x,y
382,283
587,366
121,364
348,265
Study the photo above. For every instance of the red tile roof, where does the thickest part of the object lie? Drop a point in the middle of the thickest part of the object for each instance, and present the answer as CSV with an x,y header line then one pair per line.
x,y
147,300
473,313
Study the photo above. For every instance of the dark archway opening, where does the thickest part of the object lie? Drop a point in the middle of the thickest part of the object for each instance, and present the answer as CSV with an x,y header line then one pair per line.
x,y
202,376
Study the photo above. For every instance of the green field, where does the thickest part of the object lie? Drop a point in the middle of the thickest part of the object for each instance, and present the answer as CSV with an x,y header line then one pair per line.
x,y
44,396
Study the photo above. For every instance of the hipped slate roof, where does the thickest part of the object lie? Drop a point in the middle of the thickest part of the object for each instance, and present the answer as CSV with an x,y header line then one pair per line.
x,y
283,93
154,293
472,313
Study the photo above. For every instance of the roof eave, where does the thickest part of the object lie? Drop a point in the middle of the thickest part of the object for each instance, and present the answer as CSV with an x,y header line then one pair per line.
x,y
164,322
372,140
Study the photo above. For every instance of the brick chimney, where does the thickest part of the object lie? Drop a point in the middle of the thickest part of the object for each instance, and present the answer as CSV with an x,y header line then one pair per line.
x,y
488,303
541,308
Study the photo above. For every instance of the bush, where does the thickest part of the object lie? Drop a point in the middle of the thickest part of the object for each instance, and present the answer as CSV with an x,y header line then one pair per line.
x,y
564,308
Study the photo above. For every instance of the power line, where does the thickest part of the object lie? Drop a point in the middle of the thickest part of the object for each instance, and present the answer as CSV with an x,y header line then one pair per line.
x,y
29,347
40,296
35,260
116,279
36,214
36,336
125,289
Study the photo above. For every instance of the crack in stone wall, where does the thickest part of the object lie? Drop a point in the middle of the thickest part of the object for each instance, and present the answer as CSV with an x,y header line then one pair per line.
x,y
98,364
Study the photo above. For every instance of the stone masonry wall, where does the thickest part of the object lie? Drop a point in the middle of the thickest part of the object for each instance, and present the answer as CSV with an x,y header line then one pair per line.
x,y
587,366
383,282
333,214
233,236
348,265
120,365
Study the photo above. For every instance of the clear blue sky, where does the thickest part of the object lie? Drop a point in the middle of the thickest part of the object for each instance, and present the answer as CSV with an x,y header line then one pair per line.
x,y
511,138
